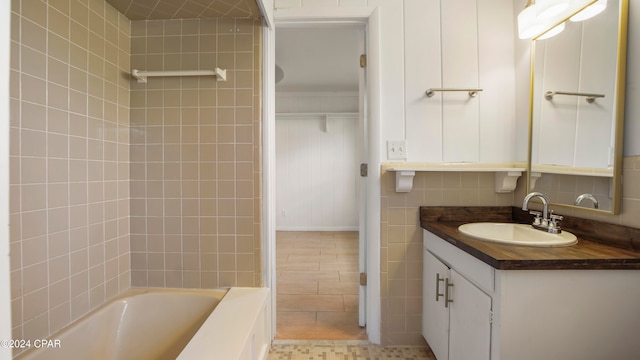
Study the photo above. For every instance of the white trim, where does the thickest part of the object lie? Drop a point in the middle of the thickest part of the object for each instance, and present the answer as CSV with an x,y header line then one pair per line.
x,y
286,17
313,14
5,270
317,229
266,9
374,110
269,171
317,93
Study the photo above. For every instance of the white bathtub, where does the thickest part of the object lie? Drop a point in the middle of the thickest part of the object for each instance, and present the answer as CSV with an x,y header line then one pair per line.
x,y
168,324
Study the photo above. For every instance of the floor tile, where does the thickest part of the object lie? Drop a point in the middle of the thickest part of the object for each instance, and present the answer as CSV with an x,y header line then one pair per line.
x,y
321,275
348,276
350,302
298,266
297,318
288,302
317,286
297,287
337,287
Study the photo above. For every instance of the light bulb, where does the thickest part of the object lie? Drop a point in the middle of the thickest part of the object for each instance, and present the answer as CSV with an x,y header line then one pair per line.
x,y
590,11
528,24
553,32
547,9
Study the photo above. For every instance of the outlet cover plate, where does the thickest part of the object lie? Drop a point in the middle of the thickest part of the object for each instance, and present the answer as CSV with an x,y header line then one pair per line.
x,y
397,150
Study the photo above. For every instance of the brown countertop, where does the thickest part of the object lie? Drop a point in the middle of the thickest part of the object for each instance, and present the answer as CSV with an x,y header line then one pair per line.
x,y
616,249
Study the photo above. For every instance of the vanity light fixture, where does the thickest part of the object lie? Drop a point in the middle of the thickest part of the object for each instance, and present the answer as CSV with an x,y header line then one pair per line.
x,y
552,32
528,24
590,11
531,25
547,9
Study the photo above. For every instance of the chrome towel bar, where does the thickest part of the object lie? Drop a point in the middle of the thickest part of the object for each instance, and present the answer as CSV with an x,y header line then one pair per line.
x,y
472,92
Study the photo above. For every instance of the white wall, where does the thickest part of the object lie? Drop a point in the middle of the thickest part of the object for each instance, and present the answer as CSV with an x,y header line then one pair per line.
x,y
471,47
413,59
316,102
316,166
316,161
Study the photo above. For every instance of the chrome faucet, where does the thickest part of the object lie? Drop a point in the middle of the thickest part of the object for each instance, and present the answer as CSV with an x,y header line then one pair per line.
x,y
587,196
545,220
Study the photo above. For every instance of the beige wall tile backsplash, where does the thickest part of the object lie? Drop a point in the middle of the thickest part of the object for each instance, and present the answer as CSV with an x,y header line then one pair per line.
x,y
630,198
69,196
401,242
195,155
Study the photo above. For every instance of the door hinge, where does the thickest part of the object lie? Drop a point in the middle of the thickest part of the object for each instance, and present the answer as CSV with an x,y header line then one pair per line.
x,y
363,60
363,279
364,169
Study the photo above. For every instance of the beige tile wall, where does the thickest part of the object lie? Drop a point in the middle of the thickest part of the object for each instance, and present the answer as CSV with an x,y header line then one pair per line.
x,y
630,198
566,188
401,242
69,197
195,155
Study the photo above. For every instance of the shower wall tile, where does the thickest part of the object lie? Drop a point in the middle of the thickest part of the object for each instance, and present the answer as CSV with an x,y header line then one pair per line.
x,y
195,160
69,161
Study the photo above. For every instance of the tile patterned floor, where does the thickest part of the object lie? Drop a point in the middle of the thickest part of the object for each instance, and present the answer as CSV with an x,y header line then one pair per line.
x,y
344,351
317,286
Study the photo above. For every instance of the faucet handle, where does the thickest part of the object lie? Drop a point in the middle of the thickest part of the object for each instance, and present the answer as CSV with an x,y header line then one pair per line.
x,y
554,227
538,216
555,217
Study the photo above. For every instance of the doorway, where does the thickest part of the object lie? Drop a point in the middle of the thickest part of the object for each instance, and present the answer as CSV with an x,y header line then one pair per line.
x,y
319,145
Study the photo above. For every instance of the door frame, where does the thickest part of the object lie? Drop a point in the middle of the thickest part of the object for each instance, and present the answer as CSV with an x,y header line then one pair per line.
x,y
368,16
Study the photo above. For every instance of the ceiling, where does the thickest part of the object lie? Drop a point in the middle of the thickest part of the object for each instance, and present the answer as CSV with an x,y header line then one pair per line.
x,y
318,59
185,9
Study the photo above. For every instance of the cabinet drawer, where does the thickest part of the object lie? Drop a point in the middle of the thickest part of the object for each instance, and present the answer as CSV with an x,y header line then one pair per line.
x,y
481,274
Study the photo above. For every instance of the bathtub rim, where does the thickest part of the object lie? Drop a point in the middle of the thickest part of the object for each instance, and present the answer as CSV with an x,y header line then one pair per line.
x,y
248,335
219,293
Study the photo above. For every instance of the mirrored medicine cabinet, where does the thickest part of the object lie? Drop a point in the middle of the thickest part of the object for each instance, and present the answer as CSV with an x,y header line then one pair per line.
x,y
576,111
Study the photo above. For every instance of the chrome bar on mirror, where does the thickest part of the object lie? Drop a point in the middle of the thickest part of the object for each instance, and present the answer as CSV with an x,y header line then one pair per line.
x,y
590,97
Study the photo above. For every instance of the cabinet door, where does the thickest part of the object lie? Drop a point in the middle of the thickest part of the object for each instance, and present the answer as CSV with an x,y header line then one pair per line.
x,y
435,316
470,321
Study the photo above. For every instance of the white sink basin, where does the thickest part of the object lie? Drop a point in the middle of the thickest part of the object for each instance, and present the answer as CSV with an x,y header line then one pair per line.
x,y
516,234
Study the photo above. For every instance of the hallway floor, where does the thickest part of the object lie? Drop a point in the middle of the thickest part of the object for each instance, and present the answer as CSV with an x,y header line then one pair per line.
x,y
317,286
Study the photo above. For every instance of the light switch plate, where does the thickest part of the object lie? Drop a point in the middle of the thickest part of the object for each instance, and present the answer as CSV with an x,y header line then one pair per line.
x,y
397,150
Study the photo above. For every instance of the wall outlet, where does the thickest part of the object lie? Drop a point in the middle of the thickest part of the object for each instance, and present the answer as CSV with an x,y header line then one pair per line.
x,y
397,150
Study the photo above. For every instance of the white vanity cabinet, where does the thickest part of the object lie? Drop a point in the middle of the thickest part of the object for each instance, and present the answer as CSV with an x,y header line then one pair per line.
x,y
456,313
456,318
526,314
